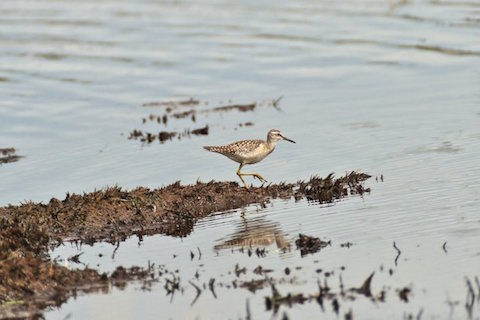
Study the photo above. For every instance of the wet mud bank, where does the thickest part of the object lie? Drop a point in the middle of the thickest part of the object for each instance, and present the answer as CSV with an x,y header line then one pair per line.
x,y
29,278
114,214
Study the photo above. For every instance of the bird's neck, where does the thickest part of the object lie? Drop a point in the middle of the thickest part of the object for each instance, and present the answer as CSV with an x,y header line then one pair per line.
x,y
271,143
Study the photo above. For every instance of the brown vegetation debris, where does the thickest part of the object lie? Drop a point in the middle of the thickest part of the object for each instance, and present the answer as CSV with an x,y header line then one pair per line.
x,y
172,104
329,189
8,155
308,244
238,107
276,299
191,111
365,288
403,293
201,131
254,285
163,136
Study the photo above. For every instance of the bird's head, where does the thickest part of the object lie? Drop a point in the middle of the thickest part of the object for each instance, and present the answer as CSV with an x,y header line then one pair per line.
x,y
275,135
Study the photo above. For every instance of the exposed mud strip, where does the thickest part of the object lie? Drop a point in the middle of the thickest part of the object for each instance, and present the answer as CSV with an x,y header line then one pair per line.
x,y
27,276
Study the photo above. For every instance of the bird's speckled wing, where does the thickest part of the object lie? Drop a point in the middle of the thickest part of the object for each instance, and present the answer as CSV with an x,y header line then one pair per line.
x,y
239,148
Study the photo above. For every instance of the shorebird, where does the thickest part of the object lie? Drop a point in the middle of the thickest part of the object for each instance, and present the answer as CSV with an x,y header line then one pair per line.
x,y
250,151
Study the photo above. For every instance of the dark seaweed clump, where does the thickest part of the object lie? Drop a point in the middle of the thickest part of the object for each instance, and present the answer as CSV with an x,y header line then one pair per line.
x,y
307,244
329,189
8,155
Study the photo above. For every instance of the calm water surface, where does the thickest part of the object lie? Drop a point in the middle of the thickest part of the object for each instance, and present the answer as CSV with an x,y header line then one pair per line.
x,y
386,87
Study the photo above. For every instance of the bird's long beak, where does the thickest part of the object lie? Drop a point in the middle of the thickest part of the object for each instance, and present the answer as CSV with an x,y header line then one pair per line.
x,y
285,138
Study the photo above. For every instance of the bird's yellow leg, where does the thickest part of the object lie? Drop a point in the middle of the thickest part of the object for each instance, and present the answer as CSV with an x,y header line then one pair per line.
x,y
239,174
255,175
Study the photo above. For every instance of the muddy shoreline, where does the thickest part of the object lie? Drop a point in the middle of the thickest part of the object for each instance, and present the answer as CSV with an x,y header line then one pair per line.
x,y
31,281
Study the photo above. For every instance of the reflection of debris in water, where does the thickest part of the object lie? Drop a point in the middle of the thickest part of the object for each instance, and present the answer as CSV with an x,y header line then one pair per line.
x,y
273,302
325,293
365,287
7,155
398,253
471,297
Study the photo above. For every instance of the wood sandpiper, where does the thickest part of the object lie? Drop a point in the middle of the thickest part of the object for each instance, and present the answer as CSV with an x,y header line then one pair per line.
x,y
250,151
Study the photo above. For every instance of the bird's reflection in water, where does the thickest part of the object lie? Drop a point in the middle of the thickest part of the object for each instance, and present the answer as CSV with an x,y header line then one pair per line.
x,y
254,233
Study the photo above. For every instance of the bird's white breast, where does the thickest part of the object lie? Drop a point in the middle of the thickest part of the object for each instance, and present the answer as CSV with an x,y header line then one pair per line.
x,y
257,154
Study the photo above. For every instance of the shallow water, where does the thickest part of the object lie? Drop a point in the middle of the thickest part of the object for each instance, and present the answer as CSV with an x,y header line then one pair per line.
x,y
384,87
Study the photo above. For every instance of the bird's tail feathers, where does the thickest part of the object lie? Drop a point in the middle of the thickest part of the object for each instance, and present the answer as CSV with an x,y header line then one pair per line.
x,y
211,148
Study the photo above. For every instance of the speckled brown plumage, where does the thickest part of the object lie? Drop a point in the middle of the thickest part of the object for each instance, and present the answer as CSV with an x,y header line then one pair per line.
x,y
245,151
239,147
